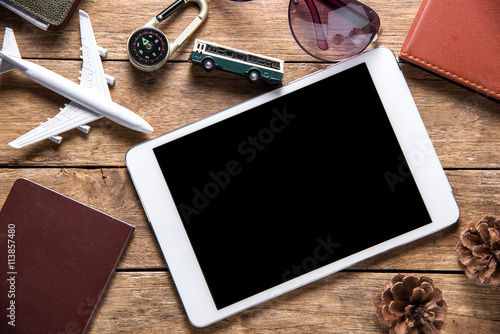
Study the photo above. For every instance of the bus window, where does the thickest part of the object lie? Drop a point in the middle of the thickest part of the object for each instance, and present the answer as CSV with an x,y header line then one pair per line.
x,y
239,56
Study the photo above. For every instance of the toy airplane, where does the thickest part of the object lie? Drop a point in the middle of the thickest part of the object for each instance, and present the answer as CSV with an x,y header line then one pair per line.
x,y
90,100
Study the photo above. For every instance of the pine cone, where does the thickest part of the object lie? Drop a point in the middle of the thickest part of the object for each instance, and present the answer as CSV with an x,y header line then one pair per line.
x,y
479,250
411,305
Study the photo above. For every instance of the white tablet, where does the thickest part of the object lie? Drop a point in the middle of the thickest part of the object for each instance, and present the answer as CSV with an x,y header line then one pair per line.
x,y
291,186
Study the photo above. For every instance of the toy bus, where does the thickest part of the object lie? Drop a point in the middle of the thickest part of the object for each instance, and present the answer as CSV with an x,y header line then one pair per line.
x,y
256,67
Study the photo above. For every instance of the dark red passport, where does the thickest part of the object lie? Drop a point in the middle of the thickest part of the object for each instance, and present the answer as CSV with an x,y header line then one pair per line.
x,y
56,259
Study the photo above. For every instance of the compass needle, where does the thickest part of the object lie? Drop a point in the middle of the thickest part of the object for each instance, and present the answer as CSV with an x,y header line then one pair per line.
x,y
142,49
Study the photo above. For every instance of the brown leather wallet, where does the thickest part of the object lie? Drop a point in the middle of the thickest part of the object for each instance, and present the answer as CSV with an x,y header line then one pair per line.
x,y
459,40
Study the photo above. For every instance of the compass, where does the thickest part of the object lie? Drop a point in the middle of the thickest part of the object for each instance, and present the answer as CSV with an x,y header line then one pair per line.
x,y
148,48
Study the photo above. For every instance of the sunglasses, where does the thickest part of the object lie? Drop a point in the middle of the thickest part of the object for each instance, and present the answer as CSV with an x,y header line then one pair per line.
x,y
332,30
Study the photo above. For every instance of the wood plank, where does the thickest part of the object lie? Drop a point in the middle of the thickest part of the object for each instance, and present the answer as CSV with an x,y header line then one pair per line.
x,y
261,26
147,302
111,191
457,120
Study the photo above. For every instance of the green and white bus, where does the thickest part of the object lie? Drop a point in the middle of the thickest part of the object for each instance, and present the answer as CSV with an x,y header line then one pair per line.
x,y
255,66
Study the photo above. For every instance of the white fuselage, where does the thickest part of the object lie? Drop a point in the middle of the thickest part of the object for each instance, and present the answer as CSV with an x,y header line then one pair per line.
x,y
79,94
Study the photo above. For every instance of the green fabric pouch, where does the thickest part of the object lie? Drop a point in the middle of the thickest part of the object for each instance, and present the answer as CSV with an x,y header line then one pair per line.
x,y
53,12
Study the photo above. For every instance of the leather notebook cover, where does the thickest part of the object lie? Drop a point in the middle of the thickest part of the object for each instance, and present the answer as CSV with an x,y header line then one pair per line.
x,y
56,259
55,13
459,40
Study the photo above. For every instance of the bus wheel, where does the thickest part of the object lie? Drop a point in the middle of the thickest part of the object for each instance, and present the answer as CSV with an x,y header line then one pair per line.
x,y
208,64
253,76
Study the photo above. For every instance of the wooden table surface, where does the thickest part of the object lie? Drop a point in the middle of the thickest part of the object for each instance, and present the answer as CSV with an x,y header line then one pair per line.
x,y
463,126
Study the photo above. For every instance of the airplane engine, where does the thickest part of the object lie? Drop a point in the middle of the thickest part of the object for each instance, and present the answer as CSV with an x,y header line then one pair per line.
x,y
110,79
102,51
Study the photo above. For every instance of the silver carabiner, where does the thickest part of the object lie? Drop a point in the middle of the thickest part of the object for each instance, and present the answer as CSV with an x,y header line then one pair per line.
x,y
148,48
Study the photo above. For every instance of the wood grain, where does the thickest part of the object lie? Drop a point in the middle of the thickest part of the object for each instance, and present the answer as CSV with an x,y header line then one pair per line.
x,y
463,126
340,303
111,191
457,120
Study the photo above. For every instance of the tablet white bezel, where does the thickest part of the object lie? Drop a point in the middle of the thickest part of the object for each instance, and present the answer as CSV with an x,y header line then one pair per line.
x,y
174,242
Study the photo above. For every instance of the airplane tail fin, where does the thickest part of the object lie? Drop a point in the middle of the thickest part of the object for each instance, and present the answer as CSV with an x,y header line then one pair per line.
x,y
10,48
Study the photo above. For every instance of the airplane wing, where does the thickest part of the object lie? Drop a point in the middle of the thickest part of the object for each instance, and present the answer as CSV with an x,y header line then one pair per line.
x,y
92,74
74,115
71,116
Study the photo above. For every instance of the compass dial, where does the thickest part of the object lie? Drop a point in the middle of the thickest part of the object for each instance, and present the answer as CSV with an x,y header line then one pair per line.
x,y
148,47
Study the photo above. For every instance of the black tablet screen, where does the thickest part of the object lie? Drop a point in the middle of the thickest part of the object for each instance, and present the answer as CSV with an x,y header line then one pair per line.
x,y
291,185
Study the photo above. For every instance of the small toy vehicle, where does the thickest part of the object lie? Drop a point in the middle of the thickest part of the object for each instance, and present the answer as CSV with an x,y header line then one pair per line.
x,y
256,67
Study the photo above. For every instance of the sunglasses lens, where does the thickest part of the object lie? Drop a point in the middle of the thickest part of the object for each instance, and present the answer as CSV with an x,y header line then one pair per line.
x,y
332,30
